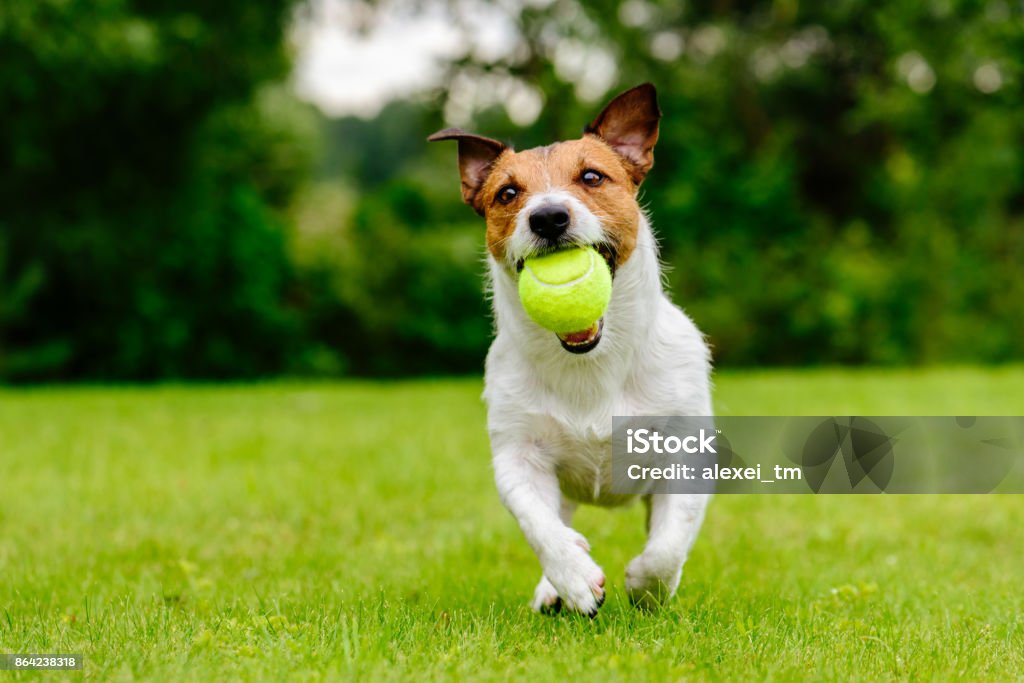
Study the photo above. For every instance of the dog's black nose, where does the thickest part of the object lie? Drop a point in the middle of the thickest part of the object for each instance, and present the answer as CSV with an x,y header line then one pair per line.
x,y
549,221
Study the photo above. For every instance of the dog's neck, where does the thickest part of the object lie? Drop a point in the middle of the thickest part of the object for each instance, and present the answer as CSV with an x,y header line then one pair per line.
x,y
636,299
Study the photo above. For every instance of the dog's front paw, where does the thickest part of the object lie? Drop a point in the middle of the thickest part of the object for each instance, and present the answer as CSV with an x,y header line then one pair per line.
x,y
545,598
575,577
651,581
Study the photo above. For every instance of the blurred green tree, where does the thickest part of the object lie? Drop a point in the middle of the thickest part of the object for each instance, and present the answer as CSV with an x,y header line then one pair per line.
x,y
146,159
835,182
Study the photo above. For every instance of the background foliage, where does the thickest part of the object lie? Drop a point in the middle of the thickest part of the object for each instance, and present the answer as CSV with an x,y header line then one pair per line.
x,y
146,168
835,183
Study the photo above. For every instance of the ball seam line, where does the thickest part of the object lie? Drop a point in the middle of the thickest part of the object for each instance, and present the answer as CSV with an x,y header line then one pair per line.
x,y
582,277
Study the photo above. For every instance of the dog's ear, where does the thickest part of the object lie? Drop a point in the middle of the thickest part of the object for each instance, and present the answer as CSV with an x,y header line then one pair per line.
x,y
629,124
477,155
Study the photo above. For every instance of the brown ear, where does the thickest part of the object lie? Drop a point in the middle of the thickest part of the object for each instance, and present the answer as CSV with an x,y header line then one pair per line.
x,y
629,124
476,157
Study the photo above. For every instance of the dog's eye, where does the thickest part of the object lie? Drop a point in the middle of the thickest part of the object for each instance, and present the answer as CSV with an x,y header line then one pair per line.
x,y
507,194
592,178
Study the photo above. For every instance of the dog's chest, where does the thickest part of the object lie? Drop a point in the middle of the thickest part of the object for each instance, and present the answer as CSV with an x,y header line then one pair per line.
x,y
579,446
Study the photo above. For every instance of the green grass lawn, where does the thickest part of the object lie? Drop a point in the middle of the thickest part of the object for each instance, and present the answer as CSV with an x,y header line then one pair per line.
x,y
332,531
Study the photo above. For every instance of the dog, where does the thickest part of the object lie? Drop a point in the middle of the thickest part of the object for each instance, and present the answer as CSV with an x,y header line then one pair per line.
x,y
550,398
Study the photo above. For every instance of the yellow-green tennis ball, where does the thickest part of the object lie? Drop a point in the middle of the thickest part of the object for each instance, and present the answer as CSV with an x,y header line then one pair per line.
x,y
566,291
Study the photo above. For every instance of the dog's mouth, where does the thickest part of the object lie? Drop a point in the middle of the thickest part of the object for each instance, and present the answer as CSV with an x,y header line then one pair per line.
x,y
585,340
582,342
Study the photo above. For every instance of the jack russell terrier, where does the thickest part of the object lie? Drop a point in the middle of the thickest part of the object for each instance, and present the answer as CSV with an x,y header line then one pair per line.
x,y
551,397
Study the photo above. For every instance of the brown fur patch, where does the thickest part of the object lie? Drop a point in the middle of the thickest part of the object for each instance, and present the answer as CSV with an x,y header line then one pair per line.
x,y
559,167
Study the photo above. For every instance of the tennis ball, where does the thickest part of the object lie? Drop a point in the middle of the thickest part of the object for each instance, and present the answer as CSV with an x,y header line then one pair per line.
x,y
566,291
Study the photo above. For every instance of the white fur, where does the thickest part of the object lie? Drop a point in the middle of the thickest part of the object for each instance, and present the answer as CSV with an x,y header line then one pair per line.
x,y
550,417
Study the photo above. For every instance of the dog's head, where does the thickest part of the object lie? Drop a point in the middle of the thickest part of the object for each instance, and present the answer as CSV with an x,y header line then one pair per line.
x,y
573,192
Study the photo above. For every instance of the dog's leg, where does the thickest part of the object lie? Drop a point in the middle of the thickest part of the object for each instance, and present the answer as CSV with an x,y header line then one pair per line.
x,y
545,595
673,521
530,491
